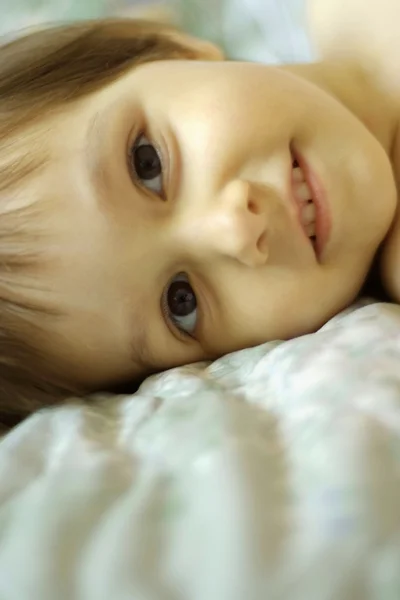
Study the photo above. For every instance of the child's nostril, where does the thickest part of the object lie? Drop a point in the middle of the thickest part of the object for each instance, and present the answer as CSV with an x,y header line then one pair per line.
x,y
253,208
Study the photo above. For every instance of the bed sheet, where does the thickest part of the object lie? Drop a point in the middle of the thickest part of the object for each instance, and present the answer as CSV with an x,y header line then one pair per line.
x,y
272,473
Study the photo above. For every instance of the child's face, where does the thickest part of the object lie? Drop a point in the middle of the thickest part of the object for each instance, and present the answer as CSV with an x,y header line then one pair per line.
x,y
211,243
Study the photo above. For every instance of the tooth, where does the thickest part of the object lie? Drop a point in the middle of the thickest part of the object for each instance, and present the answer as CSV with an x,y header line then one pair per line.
x,y
303,191
298,175
308,213
310,229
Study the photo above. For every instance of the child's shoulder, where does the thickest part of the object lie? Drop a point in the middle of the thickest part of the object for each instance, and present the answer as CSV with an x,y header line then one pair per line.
x,y
359,31
366,38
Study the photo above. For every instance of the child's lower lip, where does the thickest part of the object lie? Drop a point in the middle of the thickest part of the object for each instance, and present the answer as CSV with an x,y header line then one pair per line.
x,y
323,217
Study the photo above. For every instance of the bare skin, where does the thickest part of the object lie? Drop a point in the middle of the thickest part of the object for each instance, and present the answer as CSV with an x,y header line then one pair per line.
x,y
178,225
366,37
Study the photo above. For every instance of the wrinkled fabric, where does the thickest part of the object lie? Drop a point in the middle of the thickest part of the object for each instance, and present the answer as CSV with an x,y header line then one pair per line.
x,y
272,473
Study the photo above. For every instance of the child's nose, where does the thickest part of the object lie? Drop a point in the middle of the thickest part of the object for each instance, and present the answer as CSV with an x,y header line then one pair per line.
x,y
235,225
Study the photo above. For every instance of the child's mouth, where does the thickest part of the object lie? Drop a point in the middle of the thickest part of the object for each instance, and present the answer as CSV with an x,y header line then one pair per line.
x,y
303,196
312,203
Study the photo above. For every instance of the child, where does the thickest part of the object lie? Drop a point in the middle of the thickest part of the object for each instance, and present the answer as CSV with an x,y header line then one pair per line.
x,y
160,205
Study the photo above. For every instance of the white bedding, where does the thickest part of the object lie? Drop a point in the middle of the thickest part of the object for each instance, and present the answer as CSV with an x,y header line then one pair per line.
x,y
273,473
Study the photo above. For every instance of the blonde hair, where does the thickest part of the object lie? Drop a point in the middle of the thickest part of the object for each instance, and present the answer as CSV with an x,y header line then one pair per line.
x,y
41,72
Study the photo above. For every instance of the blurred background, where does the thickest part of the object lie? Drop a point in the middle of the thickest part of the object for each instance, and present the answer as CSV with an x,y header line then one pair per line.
x,y
271,31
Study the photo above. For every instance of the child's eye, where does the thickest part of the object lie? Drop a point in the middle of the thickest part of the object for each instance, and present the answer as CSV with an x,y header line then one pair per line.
x,y
179,304
146,165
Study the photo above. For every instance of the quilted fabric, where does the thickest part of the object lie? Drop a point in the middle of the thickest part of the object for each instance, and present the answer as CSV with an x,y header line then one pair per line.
x,y
271,473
